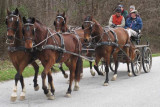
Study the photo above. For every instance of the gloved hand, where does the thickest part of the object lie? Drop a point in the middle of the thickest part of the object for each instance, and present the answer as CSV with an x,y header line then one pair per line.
x,y
113,25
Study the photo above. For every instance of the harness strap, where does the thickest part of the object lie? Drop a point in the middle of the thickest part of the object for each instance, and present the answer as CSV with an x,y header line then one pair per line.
x,y
115,35
13,49
62,47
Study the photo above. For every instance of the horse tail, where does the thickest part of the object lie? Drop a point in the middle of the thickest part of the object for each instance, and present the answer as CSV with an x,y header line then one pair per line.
x,y
79,69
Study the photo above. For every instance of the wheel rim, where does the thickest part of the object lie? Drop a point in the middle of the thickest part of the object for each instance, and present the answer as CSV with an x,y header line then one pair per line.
x,y
136,64
101,65
147,60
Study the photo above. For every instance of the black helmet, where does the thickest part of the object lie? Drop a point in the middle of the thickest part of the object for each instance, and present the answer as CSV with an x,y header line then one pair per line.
x,y
118,10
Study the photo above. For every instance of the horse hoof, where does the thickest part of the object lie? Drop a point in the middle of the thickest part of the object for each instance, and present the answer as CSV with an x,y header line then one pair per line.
x,y
81,75
49,94
68,95
114,78
101,73
36,88
22,96
52,97
105,84
93,73
13,98
130,74
66,76
76,88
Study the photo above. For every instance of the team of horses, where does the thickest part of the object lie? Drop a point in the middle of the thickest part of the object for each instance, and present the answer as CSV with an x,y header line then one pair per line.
x,y
29,39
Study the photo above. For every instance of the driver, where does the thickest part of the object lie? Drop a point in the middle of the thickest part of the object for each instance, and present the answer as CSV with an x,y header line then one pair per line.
x,y
117,20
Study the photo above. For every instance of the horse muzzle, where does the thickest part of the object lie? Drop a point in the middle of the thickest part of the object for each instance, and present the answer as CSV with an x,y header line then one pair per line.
x,y
10,40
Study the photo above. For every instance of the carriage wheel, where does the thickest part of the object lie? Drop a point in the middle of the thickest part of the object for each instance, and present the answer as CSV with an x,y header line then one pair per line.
x,y
147,60
101,66
136,64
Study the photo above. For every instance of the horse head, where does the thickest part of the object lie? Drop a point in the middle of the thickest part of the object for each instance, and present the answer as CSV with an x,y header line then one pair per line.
x,y
60,22
13,20
29,32
89,28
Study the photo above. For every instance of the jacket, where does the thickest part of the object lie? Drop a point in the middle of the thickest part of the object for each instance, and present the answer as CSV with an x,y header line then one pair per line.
x,y
124,14
135,24
119,21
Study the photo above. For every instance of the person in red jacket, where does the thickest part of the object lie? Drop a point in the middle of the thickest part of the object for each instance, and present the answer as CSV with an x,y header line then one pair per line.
x,y
117,20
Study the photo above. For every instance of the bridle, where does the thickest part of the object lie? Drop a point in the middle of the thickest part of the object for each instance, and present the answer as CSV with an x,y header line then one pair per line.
x,y
10,28
61,17
91,31
33,32
90,28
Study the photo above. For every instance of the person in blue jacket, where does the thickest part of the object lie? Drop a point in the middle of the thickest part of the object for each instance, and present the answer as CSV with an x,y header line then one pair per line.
x,y
134,24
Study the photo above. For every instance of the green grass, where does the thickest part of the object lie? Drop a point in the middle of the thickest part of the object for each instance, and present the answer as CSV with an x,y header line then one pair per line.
x,y
155,55
7,71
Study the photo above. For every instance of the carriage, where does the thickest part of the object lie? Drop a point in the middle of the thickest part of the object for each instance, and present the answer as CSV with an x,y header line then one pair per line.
x,y
143,57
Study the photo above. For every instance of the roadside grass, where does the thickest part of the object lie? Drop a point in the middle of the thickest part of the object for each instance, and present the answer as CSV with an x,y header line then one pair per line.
x,y
7,71
156,54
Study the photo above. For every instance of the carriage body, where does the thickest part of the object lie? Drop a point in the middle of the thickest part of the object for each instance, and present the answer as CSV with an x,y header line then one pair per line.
x,y
143,57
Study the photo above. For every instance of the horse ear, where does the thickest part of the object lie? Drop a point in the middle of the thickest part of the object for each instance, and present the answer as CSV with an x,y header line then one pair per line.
x,y
58,12
33,20
54,23
91,18
16,11
8,12
63,14
82,27
24,20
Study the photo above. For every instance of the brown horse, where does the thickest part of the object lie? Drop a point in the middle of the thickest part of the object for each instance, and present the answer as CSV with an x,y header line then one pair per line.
x,y
50,49
60,24
17,52
108,43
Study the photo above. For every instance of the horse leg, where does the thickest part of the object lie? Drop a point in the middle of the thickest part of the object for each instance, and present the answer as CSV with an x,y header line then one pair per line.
x,y
91,70
36,69
47,67
72,67
128,61
96,66
107,60
116,66
79,69
14,93
22,95
63,72
21,69
51,86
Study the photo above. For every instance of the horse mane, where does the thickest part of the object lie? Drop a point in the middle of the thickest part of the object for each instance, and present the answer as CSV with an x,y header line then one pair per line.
x,y
98,26
38,22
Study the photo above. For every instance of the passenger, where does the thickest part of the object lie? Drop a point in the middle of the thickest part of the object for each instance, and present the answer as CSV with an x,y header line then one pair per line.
x,y
132,7
117,20
133,24
124,13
